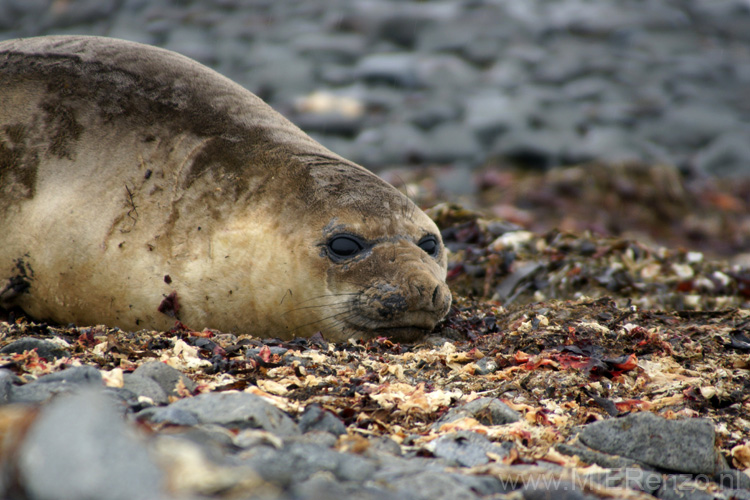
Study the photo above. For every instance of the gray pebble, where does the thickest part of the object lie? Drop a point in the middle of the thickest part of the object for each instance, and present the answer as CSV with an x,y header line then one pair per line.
x,y
485,366
84,374
488,411
678,445
47,386
235,410
80,447
164,375
596,457
145,387
632,477
432,485
398,69
676,488
555,490
321,487
467,449
298,461
7,378
314,418
44,348
169,415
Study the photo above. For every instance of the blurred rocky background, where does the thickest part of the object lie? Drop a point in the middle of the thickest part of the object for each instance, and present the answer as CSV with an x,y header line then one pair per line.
x,y
458,99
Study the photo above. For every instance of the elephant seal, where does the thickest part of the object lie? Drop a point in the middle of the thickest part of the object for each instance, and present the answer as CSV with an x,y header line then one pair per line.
x,y
138,187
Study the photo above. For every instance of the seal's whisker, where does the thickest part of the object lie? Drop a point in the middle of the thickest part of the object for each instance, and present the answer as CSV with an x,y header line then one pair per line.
x,y
328,295
337,304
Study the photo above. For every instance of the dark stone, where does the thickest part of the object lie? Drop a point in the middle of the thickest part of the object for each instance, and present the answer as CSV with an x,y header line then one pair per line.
x,y
238,410
678,488
38,393
44,348
554,490
632,478
298,461
65,381
733,479
679,445
315,418
320,487
383,444
596,457
7,378
145,387
169,415
80,447
485,366
467,449
432,485
398,69
488,411
85,374
166,376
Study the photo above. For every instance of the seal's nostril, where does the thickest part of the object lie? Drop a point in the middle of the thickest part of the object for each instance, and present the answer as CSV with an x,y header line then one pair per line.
x,y
435,295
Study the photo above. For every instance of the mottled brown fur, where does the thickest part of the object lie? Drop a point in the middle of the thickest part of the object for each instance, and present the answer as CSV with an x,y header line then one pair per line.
x,y
122,163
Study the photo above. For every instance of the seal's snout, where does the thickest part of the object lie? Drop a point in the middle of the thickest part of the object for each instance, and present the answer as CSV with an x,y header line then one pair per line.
x,y
430,296
441,299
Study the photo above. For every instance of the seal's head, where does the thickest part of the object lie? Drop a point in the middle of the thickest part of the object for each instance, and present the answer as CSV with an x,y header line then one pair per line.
x,y
352,257
379,261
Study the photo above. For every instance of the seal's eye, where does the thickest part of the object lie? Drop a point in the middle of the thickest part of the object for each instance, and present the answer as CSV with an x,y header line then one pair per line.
x,y
430,245
344,246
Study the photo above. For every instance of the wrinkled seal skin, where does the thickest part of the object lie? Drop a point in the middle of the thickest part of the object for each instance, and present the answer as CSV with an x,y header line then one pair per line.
x,y
138,186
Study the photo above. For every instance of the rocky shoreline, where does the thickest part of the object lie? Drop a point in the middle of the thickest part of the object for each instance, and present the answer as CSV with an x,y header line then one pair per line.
x,y
240,444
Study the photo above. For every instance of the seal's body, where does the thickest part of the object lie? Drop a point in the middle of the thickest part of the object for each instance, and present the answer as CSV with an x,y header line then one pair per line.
x,y
138,186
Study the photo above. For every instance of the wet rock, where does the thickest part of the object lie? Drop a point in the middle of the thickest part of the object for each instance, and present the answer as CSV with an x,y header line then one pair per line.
x,y
44,348
432,485
595,457
488,411
397,144
486,366
66,381
631,477
144,387
467,449
490,114
398,69
319,438
85,374
6,385
733,479
236,410
38,393
275,350
319,487
166,376
298,461
449,143
315,418
97,455
678,488
168,415
384,444
679,445
726,156
555,490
